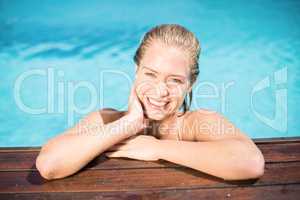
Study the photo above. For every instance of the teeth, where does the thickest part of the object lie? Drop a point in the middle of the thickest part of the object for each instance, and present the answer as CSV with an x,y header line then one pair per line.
x,y
156,103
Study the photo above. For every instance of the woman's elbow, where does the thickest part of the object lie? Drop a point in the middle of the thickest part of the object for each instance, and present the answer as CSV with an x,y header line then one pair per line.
x,y
251,168
256,166
45,167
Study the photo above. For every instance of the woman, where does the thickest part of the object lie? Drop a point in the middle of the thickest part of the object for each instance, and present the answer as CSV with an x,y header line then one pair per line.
x,y
153,128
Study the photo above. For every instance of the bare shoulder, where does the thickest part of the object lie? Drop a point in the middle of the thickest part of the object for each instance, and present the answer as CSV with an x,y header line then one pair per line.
x,y
103,116
207,125
109,114
202,115
94,120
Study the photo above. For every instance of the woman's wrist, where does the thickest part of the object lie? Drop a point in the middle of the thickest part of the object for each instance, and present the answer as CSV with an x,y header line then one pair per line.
x,y
133,123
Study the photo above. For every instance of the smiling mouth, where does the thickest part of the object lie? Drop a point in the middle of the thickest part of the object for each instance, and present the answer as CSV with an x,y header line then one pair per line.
x,y
158,105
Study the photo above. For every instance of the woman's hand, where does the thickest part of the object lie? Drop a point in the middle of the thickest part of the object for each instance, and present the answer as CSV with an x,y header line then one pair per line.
x,y
135,111
141,147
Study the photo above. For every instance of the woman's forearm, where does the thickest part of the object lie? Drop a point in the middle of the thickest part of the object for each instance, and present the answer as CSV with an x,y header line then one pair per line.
x,y
67,153
227,159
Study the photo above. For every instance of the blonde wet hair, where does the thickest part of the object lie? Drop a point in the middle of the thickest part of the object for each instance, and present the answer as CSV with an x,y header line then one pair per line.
x,y
177,36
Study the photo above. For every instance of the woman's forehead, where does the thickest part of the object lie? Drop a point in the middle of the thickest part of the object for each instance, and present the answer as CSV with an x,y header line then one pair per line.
x,y
166,71
166,59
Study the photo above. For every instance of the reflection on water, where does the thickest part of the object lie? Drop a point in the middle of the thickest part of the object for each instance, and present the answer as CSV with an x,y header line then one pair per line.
x,y
241,46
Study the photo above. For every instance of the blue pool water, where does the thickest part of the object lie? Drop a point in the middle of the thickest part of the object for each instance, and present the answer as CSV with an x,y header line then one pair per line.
x,y
59,61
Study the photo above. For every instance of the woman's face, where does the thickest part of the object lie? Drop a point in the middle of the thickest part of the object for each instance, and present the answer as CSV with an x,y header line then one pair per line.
x,y
162,80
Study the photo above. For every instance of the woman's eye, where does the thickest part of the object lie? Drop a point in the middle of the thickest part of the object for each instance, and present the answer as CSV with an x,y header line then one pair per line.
x,y
149,74
174,80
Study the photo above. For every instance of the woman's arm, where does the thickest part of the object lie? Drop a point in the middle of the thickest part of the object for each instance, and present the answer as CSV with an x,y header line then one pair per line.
x,y
216,147
65,154
219,148
212,145
230,159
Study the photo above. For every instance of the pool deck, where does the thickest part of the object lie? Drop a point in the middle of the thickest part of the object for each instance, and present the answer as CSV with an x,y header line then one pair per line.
x,y
131,179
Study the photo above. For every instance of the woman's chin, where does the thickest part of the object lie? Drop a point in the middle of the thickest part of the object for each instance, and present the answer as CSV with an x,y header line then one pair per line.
x,y
155,115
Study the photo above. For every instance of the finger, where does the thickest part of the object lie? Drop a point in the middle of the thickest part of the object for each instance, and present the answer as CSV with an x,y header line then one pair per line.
x,y
131,140
119,147
126,141
115,154
132,93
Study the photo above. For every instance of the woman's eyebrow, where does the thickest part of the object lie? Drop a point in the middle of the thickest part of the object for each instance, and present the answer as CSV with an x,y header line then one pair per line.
x,y
150,69
177,75
180,76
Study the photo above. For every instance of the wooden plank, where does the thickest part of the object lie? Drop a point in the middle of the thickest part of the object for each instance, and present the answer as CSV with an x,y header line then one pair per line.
x,y
19,149
280,152
9,161
276,140
141,179
257,141
275,192
14,161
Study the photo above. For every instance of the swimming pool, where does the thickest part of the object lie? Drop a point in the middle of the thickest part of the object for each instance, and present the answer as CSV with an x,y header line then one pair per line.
x,y
61,61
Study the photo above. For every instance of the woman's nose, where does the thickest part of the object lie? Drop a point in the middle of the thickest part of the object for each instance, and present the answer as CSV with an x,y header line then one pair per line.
x,y
162,89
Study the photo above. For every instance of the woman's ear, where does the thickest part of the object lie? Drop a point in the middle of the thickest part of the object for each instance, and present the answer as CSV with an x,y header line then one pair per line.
x,y
136,71
190,88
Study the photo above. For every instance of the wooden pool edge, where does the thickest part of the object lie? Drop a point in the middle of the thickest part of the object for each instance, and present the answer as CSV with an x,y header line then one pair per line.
x,y
257,141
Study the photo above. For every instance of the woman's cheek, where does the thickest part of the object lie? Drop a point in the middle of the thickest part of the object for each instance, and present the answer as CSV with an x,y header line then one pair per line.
x,y
143,93
179,98
177,93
